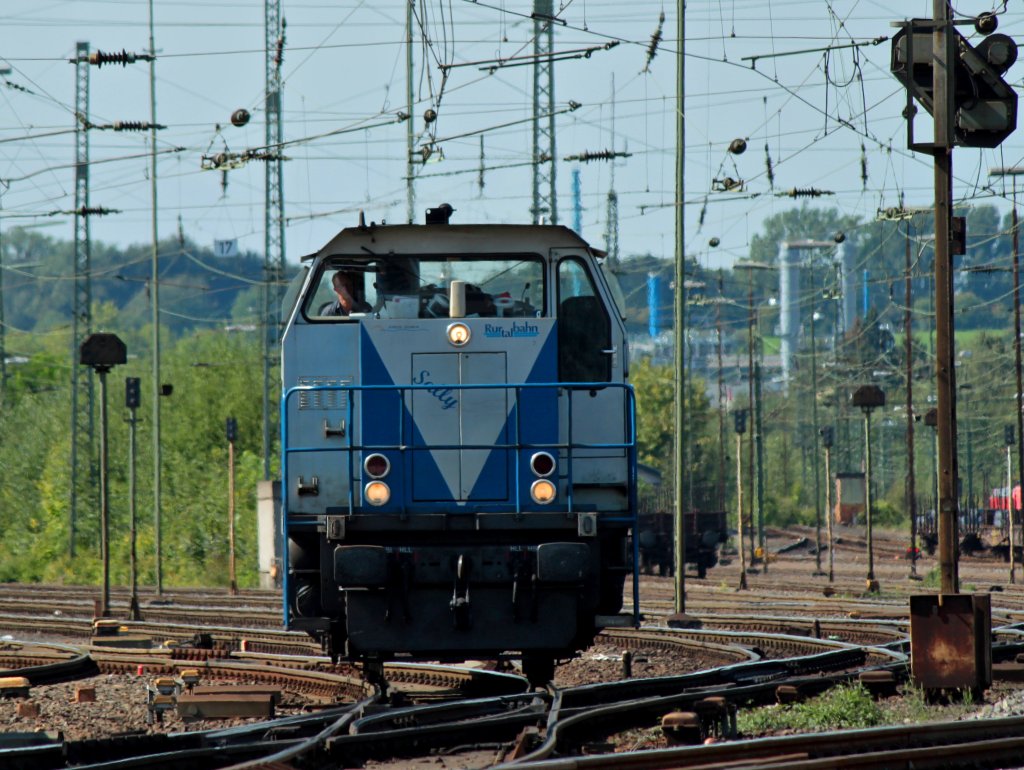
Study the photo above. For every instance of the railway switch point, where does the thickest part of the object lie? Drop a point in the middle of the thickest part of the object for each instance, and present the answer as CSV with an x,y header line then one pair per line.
x,y
225,690
881,684
106,627
828,591
682,620
682,728
526,741
189,678
226,706
718,716
1008,672
164,685
787,693
157,705
14,687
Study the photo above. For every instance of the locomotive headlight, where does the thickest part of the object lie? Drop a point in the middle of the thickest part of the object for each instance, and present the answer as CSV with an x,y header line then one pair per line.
x,y
377,466
542,464
376,493
542,491
458,334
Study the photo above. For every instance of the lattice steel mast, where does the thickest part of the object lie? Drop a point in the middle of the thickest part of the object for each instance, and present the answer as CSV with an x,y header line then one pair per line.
x,y
611,237
545,203
410,164
82,403
273,219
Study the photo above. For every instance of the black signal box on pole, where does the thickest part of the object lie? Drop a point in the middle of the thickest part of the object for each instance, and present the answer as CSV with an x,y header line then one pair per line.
x,y
985,105
740,421
827,436
132,392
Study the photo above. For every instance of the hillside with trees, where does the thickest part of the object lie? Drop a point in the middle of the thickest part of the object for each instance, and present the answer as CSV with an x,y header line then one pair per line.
x,y
211,354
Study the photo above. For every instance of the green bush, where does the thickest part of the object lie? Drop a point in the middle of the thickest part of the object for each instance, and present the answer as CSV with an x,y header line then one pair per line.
x,y
848,706
885,514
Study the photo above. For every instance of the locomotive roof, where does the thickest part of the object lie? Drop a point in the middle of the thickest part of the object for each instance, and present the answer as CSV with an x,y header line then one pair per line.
x,y
441,238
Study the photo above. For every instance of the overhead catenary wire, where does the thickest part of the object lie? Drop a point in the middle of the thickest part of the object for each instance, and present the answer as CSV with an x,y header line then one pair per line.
x,y
596,24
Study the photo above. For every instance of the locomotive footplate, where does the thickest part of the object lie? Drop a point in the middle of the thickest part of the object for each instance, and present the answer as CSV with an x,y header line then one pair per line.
x,y
507,521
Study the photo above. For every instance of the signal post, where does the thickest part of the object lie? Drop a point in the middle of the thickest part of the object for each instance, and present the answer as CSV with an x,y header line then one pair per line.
x,y
971,105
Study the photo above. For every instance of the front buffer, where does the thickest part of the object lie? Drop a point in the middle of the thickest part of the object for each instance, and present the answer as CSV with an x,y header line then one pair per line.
x,y
449,595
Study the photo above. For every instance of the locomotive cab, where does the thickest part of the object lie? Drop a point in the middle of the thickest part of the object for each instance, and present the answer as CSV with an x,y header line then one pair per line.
x,y
458,452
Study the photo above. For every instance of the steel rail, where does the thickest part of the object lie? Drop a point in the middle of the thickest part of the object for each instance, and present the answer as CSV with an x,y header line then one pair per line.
x,y
590,709
415,741
251,746
977,743
45,663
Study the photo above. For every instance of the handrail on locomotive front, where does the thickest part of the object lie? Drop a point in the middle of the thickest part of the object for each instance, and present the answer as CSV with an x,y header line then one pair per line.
x,y
628,444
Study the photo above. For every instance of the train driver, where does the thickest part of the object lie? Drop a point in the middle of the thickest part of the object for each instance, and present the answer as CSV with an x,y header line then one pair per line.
x,y
344,289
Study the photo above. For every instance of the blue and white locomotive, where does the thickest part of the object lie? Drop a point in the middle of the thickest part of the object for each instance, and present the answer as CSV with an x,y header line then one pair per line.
x,y
458,460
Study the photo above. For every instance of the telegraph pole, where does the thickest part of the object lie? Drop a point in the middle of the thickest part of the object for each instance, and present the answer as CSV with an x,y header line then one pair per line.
x,y
232,435
1014,172
984,117
1020,395
132,394
680,313
154,288
762,542
721,398
814,421
908,334
740,423
827,438
1009,440
410,166
751,319
943,40
3,346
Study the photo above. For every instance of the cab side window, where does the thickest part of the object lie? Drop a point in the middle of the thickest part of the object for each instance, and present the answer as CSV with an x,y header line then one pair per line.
x,y
584,328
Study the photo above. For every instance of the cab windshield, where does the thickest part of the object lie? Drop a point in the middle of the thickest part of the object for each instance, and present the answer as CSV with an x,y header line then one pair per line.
x,y
417,286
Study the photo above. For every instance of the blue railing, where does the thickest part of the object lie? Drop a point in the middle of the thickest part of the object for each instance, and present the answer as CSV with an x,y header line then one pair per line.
x,y
405,446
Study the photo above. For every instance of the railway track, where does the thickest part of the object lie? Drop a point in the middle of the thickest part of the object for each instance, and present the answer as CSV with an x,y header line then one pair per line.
x,y
390,733
313,676
977,744
782,633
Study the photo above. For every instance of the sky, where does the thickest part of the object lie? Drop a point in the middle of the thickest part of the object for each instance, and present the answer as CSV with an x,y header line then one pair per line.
x,y
816,105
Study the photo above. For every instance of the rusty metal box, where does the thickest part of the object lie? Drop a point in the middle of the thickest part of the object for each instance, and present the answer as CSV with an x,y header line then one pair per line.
x,y
951,641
